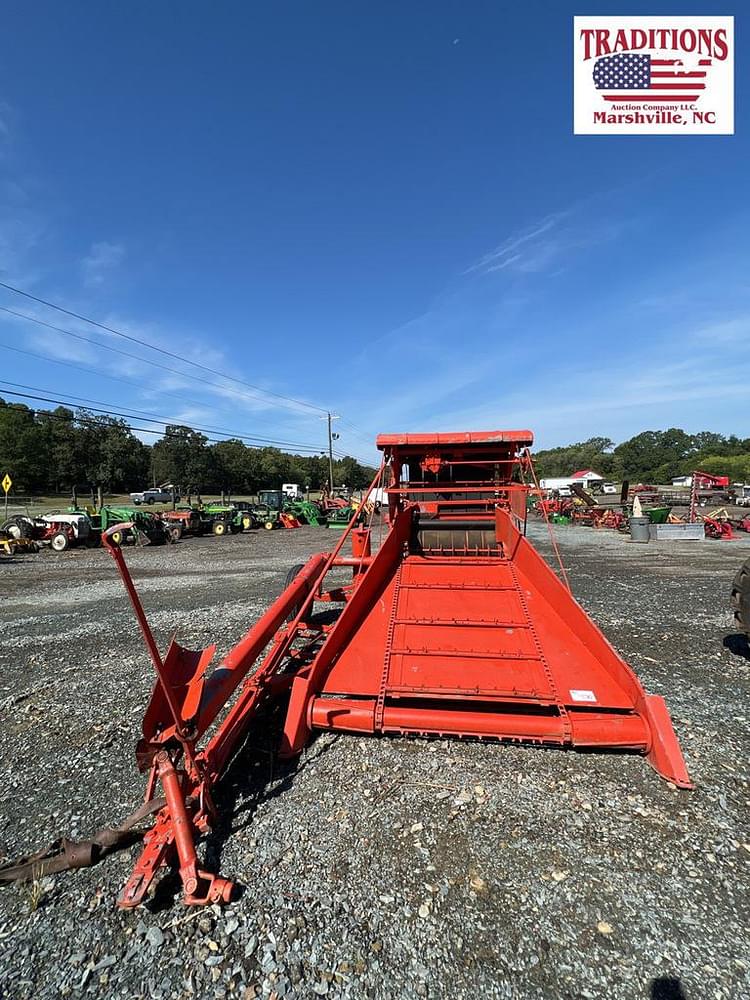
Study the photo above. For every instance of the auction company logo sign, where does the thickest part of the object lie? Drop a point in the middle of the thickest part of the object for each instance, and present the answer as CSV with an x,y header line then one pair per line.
x,y
653,75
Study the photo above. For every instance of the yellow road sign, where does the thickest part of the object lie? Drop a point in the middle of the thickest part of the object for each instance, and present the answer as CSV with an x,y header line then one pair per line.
x,y
7,482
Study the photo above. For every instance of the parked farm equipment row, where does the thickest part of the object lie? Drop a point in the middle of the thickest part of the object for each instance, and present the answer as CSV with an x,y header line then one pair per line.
x,y
567,510
455,627
583,509
86,525
62,529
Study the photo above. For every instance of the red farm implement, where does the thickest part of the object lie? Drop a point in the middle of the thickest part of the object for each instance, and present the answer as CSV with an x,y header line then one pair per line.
x,y
717,528
455,626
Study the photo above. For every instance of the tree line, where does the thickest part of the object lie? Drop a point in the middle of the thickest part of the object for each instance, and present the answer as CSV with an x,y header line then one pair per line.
x,y
51,451
651,456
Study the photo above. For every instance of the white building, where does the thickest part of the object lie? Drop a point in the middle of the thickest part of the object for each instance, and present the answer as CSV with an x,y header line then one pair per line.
x,y
583,477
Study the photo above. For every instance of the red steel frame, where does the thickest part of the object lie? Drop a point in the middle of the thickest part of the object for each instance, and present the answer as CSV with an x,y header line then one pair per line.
x,y
455,627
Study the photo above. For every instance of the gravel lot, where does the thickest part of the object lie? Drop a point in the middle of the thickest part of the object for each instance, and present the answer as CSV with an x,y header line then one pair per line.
x,y
380,868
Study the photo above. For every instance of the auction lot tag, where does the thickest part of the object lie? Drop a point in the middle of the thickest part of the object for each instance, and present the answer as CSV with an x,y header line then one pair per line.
x,y
578,695
653,75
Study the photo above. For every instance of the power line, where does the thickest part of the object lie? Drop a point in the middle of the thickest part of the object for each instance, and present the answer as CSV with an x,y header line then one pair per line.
x,y
362,435
49,415
116,413
160,419
115,350
76,401
126,381
87,370
126,354
147,361
160,350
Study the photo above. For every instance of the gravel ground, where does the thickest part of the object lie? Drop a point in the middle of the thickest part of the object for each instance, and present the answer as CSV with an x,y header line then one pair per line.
x,y
380,868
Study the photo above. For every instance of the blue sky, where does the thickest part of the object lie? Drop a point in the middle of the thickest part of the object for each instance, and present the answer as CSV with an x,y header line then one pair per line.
x,y
380,209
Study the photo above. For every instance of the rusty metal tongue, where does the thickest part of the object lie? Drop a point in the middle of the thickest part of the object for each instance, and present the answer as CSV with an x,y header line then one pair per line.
x,y
64,854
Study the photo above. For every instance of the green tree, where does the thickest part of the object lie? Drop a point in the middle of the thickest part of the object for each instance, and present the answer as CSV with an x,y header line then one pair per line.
x,y
348,472
236,466
182,457
23,448
737,467
60,433
123,461
656,455
595,453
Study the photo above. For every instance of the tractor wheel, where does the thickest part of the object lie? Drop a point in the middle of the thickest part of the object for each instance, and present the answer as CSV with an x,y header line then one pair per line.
x,y
18,527
174,532
741,598
219,528
290,578
60,542
269,525
118,537
247,523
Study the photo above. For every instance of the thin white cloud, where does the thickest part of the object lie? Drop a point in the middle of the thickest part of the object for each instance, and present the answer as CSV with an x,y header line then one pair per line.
x,y
734,331
101,260
541,245
507,252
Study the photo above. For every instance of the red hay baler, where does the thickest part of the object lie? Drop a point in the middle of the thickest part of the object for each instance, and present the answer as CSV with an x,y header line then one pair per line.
x,y
455,626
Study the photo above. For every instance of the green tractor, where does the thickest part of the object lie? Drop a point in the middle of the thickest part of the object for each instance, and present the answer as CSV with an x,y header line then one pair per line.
x,y
339,518
306,511
147,525
273,503
272,510
268,508
230,517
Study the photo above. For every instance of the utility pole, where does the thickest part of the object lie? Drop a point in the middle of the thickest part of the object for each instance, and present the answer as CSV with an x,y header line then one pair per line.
x,y
331,437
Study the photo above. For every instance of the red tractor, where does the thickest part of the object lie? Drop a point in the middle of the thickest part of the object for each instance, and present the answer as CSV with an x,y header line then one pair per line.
x,y
60,534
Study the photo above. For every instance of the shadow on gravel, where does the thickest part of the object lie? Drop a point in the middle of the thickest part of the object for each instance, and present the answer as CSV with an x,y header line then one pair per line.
x,y
256,775
667,988
737,644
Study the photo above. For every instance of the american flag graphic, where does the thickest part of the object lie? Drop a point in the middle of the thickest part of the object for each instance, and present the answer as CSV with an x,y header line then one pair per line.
x,y
664,79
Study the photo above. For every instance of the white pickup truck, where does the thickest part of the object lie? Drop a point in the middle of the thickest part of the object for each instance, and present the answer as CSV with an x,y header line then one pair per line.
x,y
160,494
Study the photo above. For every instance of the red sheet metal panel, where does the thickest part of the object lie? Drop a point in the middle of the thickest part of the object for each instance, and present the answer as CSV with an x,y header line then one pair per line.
x,y
520,438
488,646
497,638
